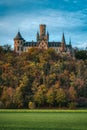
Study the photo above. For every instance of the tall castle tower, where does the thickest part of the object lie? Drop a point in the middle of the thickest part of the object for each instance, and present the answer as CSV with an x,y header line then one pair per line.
x,y
42,30
42,37
18,43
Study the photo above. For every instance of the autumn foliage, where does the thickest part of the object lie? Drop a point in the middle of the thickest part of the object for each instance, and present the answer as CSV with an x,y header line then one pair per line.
x,y
43,79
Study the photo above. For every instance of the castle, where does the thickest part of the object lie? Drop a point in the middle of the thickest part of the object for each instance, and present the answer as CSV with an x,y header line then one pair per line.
x,y
42,42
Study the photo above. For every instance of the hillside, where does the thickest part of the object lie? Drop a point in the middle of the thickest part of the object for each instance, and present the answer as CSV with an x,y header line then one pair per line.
x,y
42,79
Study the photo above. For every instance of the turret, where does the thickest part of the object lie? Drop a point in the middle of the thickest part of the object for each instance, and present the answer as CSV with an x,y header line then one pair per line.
x,y
70,42
37,36
47,35
18,43
70,48
63,43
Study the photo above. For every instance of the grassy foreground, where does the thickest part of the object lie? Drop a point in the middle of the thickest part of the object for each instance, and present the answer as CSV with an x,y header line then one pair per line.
x,y
43,120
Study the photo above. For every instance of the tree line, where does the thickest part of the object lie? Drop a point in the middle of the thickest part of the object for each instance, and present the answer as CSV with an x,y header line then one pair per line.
x,y
42,79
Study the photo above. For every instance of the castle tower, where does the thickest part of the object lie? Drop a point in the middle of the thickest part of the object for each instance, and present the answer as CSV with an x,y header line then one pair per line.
x,y
18,43
42,30
42,37
63,44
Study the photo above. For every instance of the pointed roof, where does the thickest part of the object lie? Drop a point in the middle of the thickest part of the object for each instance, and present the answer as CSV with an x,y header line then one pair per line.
x,y
63,39
47,32
69,41
18,36
37,33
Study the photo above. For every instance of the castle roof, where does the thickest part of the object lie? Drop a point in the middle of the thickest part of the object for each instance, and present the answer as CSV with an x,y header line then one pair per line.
x,y
50,44
54,44
18,36
30,44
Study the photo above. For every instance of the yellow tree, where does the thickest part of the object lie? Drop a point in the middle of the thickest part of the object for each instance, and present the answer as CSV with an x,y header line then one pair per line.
x,y
60,97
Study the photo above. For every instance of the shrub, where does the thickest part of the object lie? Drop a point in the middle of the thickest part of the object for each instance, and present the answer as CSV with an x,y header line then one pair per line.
x,y
31,105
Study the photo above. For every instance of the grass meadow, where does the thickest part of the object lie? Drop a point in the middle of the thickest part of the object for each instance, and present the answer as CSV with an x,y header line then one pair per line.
x,y
43,119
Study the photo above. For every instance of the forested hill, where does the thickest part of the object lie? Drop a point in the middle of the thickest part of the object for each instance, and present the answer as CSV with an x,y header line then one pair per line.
x,y
42,79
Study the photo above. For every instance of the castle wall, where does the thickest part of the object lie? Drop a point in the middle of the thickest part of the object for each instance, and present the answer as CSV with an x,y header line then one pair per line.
x,y
18,46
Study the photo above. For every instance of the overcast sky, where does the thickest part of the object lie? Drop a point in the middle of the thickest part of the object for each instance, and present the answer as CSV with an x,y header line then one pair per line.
x,y
68,16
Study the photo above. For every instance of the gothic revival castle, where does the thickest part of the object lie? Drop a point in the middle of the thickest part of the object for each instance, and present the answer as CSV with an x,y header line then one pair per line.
x,y
20,45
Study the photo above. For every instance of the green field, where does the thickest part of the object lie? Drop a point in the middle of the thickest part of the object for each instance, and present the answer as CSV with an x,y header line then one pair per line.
x,y
43,120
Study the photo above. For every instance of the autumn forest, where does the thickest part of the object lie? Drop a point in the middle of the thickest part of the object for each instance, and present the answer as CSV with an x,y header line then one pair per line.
x,y
42,79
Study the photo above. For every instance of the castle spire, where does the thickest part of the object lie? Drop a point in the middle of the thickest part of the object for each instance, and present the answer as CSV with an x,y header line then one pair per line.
x,y
69,41
47,32
48,35
63,43
37,36
63,38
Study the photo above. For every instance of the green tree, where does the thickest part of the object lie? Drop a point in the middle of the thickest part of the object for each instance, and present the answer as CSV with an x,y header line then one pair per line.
x,y
60,97
40,96
50,97
82,54
18,98
25,88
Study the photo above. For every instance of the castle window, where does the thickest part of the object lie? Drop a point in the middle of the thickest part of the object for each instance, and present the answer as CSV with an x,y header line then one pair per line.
x,y
15,49
18,48
21,48
25,49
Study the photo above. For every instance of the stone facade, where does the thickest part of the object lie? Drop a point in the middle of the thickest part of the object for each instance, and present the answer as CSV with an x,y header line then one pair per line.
x,y
20,45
